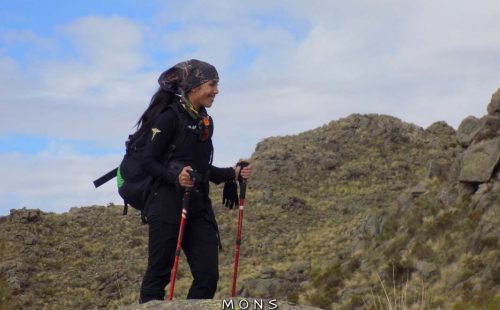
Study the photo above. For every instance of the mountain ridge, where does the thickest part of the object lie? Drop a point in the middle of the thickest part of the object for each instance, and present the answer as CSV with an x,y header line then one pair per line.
x,y
335,215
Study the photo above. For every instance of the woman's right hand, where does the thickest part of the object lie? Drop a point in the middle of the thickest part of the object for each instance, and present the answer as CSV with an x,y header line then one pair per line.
x,y
184,179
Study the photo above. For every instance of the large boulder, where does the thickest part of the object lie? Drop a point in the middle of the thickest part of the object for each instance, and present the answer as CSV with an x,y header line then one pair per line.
x,y
494,106
490,125
479,161
25,216
467,130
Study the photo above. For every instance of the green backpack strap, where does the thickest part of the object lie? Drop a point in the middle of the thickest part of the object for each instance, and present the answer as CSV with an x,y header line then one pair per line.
x,y
119,178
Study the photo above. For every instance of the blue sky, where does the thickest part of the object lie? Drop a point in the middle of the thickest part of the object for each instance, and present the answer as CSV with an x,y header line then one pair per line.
x,y
75,76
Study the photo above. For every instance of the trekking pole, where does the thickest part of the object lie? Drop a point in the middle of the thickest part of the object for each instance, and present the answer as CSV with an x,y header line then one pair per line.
x,y
243,186
185,203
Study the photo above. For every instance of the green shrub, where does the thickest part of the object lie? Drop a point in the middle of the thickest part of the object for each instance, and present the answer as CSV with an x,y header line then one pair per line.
x,y
5,296
491,304
423,251
320,300
293,297
389,229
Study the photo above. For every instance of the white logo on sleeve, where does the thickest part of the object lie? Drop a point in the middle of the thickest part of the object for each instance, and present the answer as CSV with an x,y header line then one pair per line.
x,y
155,131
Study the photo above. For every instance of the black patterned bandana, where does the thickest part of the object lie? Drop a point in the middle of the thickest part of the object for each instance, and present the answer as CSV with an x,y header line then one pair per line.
x,y
186,75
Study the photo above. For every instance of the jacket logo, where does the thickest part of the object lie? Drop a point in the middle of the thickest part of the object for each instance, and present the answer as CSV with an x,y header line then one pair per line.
x,y
192,127
155,131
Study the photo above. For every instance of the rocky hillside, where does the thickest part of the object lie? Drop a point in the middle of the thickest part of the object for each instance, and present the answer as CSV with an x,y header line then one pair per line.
x,y
354,214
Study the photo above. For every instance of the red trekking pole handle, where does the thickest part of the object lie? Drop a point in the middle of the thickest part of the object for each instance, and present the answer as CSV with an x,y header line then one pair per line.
x,y
185,203
243,185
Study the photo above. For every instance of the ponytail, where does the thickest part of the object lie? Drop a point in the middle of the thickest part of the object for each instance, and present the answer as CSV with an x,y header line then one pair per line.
x,y
160,100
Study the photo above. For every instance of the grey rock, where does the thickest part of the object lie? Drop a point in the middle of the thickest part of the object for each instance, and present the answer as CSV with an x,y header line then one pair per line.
x,y
331,145
426,269
209,304
488,129
447,196
479,161
294,204
267,273
486,234
496,175
455,167
301,267
467,130
479,201
267,288
493,271
494,106
30,240
25,216
466,189
371,226
483,188
404,200
14,283
329,163
418,190
298,272
438,169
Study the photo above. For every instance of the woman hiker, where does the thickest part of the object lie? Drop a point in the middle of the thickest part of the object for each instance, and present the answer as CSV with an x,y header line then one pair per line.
x,y
187,89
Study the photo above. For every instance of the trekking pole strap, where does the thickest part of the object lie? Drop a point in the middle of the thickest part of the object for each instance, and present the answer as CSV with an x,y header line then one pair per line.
x,y
242,164
242,182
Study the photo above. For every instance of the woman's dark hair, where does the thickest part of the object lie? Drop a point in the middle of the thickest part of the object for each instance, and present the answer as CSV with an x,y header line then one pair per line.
x,y
159,102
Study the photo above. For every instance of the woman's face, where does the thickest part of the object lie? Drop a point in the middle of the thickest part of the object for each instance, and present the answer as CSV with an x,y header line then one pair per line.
x,y
204,95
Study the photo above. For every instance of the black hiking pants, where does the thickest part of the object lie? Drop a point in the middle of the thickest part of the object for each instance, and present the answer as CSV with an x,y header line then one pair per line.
x,y
200,245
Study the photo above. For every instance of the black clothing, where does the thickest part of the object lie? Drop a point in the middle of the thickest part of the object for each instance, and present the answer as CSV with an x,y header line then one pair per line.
x,y
200,246
167,200
165,206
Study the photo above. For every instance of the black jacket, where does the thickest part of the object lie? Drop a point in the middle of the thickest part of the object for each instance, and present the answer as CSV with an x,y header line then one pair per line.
x,y
189,151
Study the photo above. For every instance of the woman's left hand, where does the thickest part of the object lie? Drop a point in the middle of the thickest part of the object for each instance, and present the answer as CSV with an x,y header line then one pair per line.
x,y
245,172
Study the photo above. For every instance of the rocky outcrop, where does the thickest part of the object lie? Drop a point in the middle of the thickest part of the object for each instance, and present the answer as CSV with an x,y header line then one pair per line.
x,y
25,216
271,285
479,161
494,106
467,130
481,140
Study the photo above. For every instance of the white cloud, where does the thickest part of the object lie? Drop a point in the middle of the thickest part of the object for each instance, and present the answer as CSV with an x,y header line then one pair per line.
x,y
420,61
96,96
54,180
27,37
109,51
108,42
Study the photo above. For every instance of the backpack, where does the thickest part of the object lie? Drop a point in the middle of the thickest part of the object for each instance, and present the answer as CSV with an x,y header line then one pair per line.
x,y
134,184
